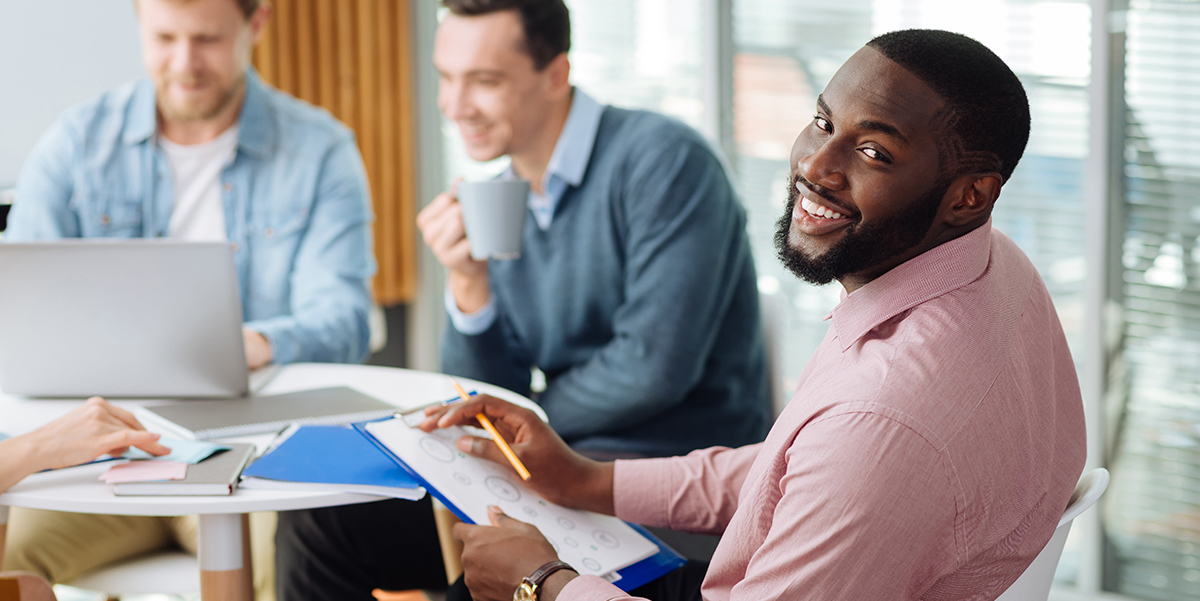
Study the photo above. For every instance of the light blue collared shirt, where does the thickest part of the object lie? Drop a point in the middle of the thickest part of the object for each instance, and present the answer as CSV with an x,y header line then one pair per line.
x,y
567,166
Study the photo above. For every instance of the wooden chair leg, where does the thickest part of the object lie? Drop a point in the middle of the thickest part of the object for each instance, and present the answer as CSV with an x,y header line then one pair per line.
x,y
23,586
451,549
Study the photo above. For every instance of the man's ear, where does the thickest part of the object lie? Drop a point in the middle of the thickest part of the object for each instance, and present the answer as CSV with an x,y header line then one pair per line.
x,y
973,198
559,76
258,20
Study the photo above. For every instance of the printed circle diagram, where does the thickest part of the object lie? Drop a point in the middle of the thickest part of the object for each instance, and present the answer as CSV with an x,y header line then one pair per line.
x,y
566,524
605,539
502,488
437,449
591,564
462,478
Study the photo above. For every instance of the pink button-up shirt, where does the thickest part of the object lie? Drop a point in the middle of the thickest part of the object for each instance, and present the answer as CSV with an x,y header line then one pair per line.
x,y
928,453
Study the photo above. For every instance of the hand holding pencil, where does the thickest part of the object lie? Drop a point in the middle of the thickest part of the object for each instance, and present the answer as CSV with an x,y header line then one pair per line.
x,y
556,472
499,440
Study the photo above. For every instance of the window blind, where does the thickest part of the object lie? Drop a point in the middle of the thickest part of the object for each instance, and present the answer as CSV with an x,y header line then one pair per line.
x,y
1153,509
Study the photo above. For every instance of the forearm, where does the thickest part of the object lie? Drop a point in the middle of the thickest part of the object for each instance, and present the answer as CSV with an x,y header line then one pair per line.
x,y
592,492
471,292
19,459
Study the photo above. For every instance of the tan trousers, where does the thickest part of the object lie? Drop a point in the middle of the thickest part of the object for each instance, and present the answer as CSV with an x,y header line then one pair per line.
x,y
64,546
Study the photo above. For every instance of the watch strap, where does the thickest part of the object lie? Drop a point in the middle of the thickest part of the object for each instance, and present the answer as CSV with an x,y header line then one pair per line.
x,y
534,581
541,574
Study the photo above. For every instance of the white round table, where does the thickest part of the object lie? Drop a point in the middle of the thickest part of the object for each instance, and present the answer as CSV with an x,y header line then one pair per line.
x,y
224,567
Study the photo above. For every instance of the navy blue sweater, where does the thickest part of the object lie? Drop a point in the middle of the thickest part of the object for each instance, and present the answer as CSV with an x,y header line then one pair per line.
x,y
639,303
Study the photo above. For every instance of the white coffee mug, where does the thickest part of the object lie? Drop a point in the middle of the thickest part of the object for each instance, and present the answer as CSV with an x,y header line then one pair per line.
x,y
494,216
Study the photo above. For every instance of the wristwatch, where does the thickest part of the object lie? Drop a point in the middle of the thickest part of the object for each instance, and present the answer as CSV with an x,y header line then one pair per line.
x,y
530,588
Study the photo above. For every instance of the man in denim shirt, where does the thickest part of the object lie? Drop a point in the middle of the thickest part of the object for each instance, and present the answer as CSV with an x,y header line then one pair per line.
x,y
203,150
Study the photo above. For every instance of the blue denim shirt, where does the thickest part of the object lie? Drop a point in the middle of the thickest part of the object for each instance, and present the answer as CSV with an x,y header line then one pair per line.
x,y
297,208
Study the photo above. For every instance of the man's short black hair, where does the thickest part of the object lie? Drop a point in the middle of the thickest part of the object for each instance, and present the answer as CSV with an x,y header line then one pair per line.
x,y
987,110
547,23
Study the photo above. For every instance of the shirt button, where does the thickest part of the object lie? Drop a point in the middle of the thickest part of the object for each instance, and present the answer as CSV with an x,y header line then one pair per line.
x,y
104,220
269,232
228,187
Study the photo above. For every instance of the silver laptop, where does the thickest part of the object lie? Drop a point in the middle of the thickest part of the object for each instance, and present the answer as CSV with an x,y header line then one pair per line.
x,y
124,319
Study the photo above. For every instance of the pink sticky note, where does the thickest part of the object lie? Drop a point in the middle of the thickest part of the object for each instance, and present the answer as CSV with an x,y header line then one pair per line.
x,y
141,471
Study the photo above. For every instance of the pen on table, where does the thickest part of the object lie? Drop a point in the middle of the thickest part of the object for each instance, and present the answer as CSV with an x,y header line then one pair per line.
x,y
418,413
487,425
279,439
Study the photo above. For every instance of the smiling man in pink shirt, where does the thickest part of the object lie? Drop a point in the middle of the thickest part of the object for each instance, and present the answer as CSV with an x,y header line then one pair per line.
x,y
935,435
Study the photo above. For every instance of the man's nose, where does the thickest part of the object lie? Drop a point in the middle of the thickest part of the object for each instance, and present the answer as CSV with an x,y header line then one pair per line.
x,y
184,56
821,166
455,103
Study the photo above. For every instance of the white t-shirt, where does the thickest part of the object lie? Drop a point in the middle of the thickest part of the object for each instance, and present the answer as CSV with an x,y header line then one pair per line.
x,y
198,213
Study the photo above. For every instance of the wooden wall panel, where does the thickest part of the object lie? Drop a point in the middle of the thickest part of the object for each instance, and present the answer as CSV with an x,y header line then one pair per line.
x,y
354,58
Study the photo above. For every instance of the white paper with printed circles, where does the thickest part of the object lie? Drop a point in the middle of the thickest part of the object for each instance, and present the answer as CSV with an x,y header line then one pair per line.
x,y
592,543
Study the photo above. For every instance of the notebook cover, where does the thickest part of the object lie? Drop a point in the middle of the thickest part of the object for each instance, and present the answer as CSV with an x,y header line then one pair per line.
x,y
332,455
217,475
224,418
631,577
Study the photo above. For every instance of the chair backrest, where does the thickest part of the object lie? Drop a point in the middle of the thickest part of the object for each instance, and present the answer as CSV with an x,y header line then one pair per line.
x,y
23,586
1034,583
772,309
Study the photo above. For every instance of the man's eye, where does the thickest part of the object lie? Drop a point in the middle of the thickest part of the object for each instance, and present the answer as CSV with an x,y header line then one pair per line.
x,y
875,155
822,123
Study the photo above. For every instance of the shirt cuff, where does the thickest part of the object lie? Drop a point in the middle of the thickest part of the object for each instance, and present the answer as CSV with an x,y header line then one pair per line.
x,y
471,324
285,345
592,588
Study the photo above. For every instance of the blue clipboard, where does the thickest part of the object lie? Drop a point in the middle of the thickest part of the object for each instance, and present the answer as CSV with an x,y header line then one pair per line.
x,y
646,570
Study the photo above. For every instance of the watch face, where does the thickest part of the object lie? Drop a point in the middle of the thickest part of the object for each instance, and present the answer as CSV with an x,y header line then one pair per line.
x,y
525,592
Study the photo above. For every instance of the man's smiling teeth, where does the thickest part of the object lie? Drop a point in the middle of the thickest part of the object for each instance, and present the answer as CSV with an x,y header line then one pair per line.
x,y
817,210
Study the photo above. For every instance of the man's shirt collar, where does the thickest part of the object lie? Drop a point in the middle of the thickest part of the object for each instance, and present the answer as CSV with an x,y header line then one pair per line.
x,y
574,147
569,161
256,134
931,274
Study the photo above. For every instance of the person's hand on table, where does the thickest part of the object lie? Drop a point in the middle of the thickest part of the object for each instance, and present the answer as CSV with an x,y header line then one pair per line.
x,y
87,432
97,428
258,349
442,229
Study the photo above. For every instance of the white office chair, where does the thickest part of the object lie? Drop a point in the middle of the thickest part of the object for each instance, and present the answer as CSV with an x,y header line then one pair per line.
x,y
171,572
1034,583
773,309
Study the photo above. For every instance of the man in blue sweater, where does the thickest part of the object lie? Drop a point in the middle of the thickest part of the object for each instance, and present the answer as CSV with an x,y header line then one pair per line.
x,y
635,292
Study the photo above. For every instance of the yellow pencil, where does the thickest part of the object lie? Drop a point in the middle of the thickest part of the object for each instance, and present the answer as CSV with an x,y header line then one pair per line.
x,y
487,425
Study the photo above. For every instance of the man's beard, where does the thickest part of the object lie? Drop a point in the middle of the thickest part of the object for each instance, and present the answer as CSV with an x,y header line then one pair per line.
x,y
201,109
863,245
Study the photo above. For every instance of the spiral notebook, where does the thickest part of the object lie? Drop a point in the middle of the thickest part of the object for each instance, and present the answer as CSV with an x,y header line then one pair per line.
x,y
207,420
